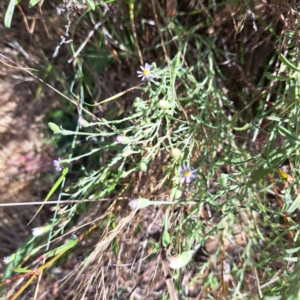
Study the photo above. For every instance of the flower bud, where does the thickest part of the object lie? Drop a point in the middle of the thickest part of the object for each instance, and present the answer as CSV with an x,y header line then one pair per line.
x,y
175,153
54,127
121,139
138,102
175,193
139,203
143,166
166,239
37,231
223,179
163,104
181,260
82,122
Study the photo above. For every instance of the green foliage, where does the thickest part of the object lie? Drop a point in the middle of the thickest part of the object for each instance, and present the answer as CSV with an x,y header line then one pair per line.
x,y
9,13
33,3
183,105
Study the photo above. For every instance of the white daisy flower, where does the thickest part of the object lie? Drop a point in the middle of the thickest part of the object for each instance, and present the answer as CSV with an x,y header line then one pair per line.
x,y
145,73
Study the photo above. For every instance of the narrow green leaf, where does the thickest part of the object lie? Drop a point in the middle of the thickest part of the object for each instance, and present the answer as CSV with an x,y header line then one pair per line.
x,y
280,78
273,298
245,127
287,134
54,188
21,270
91,4
273,118
288,63
293,250
291,259
275,159
83,155
260,173
64,173
294,205
61,249
33,3
115,247
9,13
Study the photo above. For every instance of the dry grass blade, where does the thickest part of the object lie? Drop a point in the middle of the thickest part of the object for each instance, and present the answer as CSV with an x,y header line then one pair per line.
x,y
97,254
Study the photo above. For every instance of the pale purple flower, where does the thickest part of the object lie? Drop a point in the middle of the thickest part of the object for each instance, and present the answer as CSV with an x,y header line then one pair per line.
x,y
187,175
145,73
133,204
120,139
57,165
6,260
82,122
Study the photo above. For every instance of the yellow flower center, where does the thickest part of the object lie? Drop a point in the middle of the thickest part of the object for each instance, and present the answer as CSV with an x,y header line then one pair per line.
x,y
146,72
187,173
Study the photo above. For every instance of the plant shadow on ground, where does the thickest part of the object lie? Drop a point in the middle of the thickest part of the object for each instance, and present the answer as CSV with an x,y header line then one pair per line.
x,y
206,148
